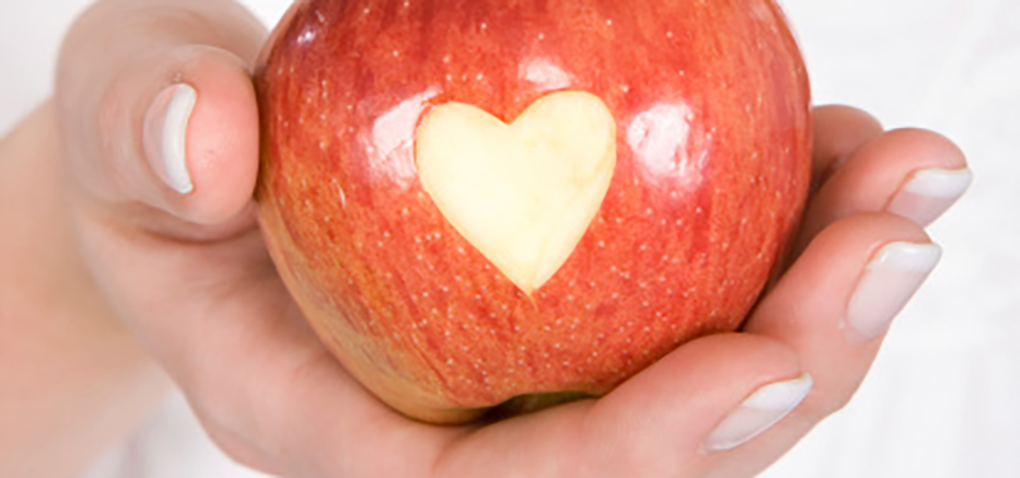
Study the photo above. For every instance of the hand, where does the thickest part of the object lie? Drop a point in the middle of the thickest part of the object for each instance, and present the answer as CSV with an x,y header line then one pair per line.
x,y
178,256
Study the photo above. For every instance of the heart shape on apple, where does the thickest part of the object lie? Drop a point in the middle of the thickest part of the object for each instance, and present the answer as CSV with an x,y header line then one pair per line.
x,y
522,194
484,203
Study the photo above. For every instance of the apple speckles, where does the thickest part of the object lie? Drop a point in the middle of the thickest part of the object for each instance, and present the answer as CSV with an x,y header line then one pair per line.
x,y
319,17
306,37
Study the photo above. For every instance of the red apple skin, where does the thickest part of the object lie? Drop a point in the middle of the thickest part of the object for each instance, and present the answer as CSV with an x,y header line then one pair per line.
x,y
712,107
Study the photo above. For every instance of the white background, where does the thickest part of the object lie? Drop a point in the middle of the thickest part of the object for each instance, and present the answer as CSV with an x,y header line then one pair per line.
x,y
944,397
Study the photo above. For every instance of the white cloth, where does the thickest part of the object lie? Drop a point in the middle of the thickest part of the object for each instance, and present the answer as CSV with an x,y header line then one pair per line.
x,y
943,400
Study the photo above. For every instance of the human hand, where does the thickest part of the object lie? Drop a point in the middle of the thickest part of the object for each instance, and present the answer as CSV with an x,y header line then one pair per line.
x,y
178,255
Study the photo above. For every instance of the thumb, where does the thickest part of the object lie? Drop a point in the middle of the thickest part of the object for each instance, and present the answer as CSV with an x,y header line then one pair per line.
x,y
158,112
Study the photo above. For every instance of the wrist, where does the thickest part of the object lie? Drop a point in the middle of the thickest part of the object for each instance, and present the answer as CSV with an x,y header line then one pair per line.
x,y
77,380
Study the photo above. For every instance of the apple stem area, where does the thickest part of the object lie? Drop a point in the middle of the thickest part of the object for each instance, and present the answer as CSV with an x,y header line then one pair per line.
x,y
531,403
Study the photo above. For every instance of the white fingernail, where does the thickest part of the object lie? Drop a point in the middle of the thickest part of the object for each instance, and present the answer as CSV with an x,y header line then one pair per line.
x,y
763,409
929,193
165,135
889,281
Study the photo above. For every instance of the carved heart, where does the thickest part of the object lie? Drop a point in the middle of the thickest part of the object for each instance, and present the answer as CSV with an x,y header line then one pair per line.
x,y
523,194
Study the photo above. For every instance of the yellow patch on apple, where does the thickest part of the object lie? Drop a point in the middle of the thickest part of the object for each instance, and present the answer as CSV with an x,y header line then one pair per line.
x,y
522,193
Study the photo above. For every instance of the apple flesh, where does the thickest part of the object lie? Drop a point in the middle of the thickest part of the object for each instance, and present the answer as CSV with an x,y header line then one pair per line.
x,y
486,202
522,194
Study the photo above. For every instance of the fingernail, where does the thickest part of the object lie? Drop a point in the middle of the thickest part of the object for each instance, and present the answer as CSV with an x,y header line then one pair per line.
x,y
929,193
165,134
889,281
763,409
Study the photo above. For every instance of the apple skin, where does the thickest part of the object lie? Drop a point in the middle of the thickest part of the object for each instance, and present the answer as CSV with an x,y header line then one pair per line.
x,y
712,107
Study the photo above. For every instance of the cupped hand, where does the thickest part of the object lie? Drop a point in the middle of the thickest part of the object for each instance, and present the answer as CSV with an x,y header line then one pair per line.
x,y
160,133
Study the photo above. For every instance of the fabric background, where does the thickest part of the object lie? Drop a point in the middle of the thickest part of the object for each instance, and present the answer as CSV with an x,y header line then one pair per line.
x,y
942,400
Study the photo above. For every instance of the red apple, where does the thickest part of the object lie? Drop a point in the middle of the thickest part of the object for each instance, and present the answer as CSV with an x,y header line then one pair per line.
x,y
483,201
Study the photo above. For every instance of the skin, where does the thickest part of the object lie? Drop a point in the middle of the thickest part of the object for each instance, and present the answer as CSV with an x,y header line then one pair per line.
x,y
89,381
208,307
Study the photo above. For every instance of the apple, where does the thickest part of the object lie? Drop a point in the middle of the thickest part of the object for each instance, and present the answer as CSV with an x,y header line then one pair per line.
x,y
479,203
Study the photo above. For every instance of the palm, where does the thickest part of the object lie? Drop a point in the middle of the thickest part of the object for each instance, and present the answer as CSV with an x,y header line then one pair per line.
x,y
244,355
